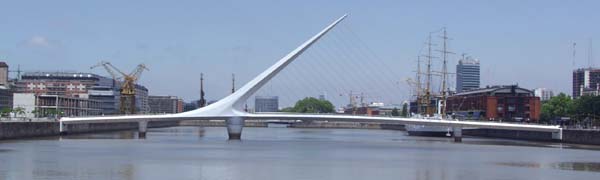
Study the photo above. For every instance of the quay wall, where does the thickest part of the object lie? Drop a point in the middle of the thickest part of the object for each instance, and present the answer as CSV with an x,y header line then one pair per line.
x,y
573,136
15,130
582,136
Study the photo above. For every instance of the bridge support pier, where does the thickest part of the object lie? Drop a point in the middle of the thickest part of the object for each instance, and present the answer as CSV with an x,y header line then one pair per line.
x,y
457,133
142,129
557,136
62,128
234,127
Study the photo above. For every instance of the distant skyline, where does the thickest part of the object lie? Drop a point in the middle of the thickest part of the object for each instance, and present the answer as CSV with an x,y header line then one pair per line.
x,y
524,42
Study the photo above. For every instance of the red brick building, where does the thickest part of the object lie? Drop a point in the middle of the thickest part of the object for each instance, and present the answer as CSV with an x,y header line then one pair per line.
x,y
506,103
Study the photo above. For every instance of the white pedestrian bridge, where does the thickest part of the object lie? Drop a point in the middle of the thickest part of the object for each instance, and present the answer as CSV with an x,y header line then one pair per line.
x,y
230,108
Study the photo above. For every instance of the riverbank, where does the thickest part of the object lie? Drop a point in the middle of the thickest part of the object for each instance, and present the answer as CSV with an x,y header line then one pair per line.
x,y
24,129
16,130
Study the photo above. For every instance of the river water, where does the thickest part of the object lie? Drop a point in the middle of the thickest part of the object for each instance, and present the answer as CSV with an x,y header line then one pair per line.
x,y
285,153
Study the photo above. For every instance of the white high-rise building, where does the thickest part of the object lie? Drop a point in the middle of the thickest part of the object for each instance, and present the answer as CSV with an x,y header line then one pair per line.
x,y
467,74
543,93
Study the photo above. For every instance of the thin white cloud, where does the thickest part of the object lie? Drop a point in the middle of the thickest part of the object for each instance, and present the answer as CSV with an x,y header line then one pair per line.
x,y
38,41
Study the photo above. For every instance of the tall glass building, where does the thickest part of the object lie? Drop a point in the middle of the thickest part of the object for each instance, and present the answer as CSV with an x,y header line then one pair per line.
x,y
467,74
266,104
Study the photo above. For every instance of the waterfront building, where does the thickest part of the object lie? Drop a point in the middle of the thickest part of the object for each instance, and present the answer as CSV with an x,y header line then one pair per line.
x,y
543,93
266,104
386,110
6,98
45,105
165,104
4,75
80,85
192,105
506,103
586,81
141,99
467,74
372,109
107,97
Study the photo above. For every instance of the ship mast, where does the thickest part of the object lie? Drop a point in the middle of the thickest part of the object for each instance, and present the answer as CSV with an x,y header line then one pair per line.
x,y
427,96
444,74
445,53
418,83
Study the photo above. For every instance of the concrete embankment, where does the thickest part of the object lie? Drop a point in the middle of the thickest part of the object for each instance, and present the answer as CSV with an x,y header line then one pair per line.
x,y
574,136
15,130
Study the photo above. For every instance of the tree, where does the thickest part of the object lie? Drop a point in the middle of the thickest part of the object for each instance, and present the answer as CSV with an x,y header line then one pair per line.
x,y
35,113
404,110
395,112
288,109
586,107
18,111
558,106
311,105
5,112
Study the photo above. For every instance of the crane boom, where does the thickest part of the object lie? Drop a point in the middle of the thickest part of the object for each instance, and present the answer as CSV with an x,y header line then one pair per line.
x,y
138,71
110,71
128,87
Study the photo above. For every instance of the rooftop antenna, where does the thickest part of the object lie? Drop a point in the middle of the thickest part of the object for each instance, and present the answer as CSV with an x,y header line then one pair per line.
x,y
591,55
574,52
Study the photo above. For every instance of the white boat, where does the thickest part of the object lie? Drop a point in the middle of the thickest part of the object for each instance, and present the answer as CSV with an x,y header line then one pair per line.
x,y
428,130
425,130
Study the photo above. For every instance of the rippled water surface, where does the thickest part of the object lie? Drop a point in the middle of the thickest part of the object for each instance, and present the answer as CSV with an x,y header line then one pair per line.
x,y
280,153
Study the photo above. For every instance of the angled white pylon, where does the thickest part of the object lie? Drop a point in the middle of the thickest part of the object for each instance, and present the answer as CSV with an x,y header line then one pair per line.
x,y
232,105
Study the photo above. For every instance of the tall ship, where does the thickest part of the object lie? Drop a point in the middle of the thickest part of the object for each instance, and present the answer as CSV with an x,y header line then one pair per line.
x,y
430,105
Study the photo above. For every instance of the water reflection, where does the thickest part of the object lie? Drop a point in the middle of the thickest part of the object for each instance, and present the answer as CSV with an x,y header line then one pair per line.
x,y
571,166
106,135
520,164
287,153
578,166
4,150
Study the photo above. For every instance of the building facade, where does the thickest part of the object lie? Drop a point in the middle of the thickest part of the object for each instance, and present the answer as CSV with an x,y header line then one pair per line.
x,y
106,96
543,93
165,104
80,85
4,75
6,98
44,105
586,81
500,103
467,74
266,104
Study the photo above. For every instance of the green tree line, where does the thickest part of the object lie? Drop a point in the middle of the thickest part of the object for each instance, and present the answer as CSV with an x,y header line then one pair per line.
x,y
311,105
584,107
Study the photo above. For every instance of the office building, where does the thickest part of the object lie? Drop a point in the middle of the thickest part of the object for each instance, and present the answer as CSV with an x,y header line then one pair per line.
x,y
80,85
266,104
44,105
586,81
467,74
6,98
165,104
4,75
543,93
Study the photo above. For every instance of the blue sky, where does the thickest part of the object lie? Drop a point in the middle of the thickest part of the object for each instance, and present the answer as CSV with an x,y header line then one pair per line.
x,y
524,42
